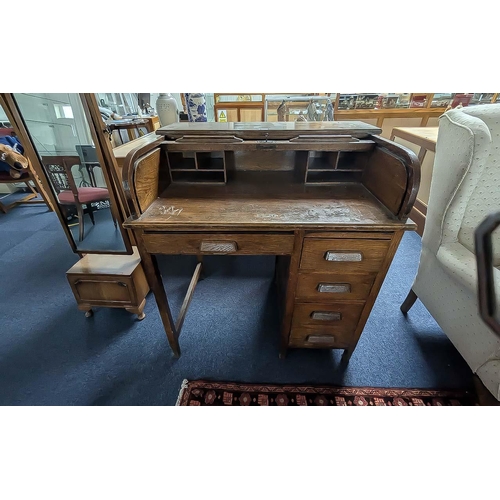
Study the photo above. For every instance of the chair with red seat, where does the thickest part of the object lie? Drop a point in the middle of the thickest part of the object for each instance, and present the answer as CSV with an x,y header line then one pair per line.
x,y
58,169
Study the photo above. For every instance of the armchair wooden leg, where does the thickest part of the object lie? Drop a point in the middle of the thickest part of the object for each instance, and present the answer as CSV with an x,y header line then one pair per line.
x,y
409,301
91,213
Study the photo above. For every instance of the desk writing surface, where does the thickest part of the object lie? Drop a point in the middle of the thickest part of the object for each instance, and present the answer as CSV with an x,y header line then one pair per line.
x,y
266,200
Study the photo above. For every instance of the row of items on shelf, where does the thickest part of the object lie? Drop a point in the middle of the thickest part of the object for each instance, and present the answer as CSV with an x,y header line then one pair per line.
x,y
392,101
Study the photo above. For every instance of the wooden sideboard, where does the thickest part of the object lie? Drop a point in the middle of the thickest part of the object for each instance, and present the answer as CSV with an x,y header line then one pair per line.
x,y
329,199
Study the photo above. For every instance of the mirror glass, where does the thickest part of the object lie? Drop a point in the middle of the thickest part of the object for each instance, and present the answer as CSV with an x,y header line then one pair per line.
x,y
61,136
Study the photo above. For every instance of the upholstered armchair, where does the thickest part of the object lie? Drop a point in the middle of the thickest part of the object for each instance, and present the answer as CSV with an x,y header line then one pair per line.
x,y
465,188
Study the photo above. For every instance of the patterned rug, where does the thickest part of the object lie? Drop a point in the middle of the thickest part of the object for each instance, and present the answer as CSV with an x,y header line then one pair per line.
x,y
203,393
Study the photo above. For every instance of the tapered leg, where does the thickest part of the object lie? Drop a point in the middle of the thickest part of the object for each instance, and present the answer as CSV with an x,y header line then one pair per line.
x,y
199,258
153,275
409,301
81,226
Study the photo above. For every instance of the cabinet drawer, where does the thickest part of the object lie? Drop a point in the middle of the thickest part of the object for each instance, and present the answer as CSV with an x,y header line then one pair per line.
x,y
326,287
219,244
102,290
319,338
336,317
343,255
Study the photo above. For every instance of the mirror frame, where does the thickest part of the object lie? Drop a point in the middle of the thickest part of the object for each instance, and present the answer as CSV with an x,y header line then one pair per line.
x,y
100,136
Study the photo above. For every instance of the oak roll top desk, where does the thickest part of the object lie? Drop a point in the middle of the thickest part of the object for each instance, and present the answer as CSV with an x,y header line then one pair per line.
x,y
329,199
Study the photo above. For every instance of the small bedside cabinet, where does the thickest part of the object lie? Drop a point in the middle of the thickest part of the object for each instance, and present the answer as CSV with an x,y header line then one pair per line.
x,y
109,281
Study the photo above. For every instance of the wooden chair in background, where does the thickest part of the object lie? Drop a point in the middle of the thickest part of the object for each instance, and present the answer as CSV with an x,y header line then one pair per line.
x,y
58,169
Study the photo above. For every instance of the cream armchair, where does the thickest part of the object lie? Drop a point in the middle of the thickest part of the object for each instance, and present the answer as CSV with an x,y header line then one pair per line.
x,y
465,188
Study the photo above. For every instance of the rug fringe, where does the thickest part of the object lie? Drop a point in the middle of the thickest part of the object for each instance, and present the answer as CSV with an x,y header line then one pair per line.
x,y
181,392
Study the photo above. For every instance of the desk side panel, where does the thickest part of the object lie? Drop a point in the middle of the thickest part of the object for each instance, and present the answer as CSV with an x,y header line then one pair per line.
x,y
392,175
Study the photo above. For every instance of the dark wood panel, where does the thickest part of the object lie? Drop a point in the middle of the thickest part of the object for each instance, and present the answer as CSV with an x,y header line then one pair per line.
x,y
378,181
386,177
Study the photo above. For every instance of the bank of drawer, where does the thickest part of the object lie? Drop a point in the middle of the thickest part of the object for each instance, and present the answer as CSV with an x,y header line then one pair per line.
x,y
337,316
320,337
327,287
343,255
219,243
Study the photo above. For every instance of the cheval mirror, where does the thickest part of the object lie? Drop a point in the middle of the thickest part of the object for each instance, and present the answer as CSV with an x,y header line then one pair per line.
x,y
66,135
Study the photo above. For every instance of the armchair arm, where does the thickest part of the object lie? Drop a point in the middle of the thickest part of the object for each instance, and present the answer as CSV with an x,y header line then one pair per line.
x,y
463,145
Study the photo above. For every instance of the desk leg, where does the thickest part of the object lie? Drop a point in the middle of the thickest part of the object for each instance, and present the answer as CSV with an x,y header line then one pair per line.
x,y
155,282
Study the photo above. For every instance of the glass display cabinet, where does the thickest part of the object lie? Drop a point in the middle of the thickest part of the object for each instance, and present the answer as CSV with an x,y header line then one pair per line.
x,y
291,108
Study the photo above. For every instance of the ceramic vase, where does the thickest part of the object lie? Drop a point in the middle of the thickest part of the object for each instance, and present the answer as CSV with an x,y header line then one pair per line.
x,y
166,107
196,107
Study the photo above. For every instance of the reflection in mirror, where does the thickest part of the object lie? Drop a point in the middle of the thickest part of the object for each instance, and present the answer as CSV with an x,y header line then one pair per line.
x,y
61,136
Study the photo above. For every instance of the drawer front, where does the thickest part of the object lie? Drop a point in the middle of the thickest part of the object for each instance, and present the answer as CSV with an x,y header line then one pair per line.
x,y
319,338
219,244
343,255
327,287
335,317
102,290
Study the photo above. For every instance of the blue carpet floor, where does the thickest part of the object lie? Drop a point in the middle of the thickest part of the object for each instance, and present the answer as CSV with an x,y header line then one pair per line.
x,y
50,354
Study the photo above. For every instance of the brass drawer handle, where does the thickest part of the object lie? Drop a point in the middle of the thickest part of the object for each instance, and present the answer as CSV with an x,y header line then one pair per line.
x,y
320,339
334,288
326,316
333,256
221,247
121,283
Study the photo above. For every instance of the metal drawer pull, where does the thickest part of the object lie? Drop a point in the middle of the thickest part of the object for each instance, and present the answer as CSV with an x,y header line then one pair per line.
x,y
218,246
326,316
343,257
334,288
320,339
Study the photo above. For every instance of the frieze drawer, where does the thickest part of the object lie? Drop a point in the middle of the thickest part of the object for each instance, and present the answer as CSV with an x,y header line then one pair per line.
x,y
219,243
